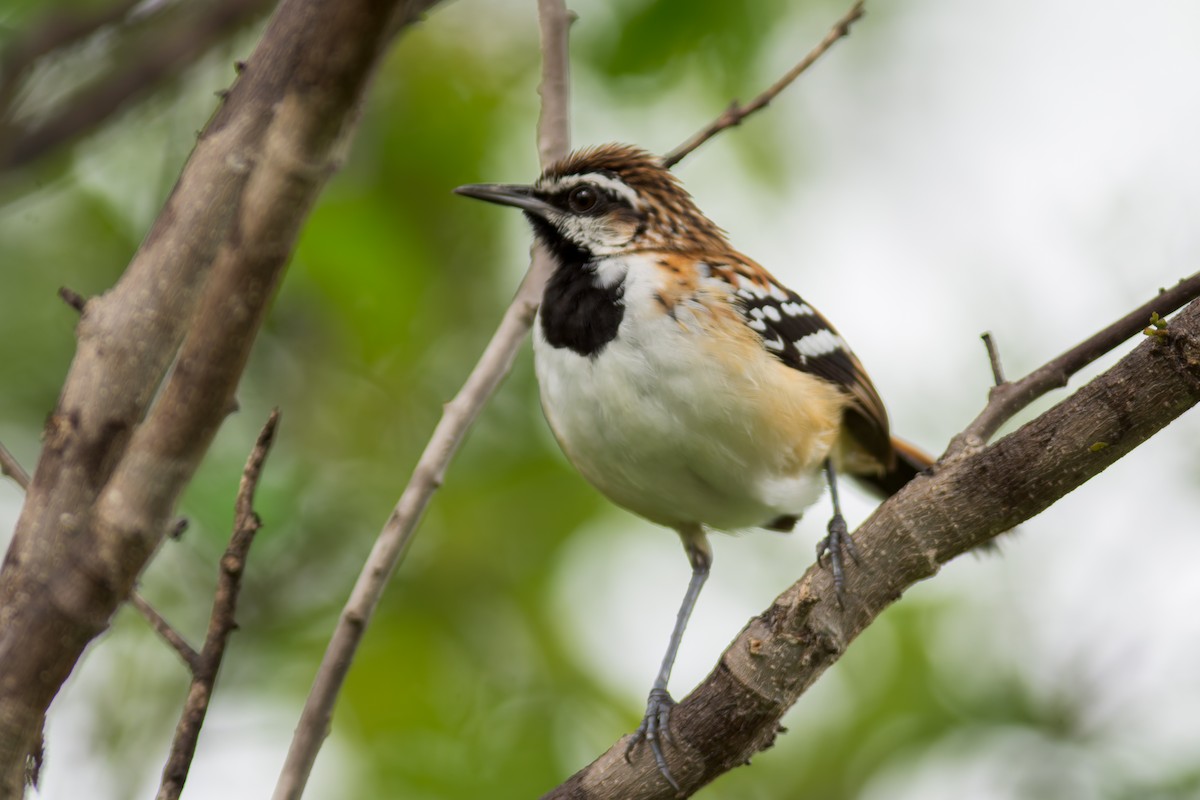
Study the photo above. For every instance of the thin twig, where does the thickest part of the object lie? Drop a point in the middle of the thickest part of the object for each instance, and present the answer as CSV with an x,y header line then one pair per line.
x,y
12,468
736,113
72,298
221,623
457,418
1005,400
993,358
168,633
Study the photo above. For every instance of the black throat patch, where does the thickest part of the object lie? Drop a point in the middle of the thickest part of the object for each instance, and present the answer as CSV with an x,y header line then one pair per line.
x,y
576,313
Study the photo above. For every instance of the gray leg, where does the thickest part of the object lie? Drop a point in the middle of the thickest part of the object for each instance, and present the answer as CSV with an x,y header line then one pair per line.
x,y
656,724
838,541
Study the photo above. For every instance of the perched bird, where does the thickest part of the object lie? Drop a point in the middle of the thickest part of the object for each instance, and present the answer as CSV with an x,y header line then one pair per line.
x,y
685,382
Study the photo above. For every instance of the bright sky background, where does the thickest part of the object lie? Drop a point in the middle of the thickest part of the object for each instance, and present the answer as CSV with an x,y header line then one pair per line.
x,y
1028,167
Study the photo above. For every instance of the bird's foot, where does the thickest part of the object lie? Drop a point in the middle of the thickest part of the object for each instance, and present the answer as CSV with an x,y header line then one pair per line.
x,y
837,544
655,730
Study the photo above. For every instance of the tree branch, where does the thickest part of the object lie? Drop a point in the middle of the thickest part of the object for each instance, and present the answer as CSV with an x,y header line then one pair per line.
x,y
194,294
166,631
161,54
735,712
57,30
459,415
221,623
994,358
12,468
1008,398
736,113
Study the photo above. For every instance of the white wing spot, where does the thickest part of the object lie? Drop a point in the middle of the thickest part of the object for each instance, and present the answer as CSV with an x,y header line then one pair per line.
x,y
758,325
774,344
778,294
772,313
794,309
821,343
757,313
748,285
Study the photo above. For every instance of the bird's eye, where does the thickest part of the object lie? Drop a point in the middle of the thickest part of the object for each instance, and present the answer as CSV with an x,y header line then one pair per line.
x,y
583,199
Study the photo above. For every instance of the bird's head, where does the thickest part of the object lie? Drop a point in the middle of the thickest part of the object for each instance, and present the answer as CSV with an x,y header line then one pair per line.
x,y
607,200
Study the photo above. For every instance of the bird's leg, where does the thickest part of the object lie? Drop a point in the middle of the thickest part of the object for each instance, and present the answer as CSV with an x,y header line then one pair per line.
x,y
656,724
838,542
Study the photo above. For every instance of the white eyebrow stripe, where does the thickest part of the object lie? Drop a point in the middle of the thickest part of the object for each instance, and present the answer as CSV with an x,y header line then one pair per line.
x,y
597,179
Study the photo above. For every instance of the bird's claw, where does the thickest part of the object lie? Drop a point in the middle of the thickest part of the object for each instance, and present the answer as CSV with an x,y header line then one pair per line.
x,y
655,730
837,544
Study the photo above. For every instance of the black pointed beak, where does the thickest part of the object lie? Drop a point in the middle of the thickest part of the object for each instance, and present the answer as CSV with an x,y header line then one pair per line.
x,y
508,194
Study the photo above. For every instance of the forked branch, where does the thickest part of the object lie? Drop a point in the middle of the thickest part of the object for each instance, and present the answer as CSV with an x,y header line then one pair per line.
x,y
153,377
1008,398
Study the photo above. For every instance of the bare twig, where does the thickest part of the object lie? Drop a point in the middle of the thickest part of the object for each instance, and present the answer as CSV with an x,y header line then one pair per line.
x,y
221,623
736,113
72,298
1006,399
735,712
12,468
993,358
457,418
165,630
554,119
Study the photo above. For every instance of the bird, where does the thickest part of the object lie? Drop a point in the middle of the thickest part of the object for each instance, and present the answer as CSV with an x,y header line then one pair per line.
x,y
684,381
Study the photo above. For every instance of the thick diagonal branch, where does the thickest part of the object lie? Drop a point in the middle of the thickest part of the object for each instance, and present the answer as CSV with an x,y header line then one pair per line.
x,y
195,293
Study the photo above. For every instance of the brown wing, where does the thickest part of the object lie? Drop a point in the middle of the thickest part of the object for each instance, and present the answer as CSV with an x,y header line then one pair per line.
x,y
801,337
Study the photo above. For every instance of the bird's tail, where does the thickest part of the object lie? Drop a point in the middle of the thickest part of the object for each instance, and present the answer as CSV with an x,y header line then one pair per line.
x,y
910,462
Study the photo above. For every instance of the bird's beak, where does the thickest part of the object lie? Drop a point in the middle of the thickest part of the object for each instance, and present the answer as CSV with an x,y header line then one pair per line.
x,y
508,194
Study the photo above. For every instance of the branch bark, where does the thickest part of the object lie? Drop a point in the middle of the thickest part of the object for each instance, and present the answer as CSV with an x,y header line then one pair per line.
x,y
1007,398
221,622
12,468
195,293
735,712
460,414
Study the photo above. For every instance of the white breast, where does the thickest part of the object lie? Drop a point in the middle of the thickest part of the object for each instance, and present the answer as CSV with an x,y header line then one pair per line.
x,y
679,432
